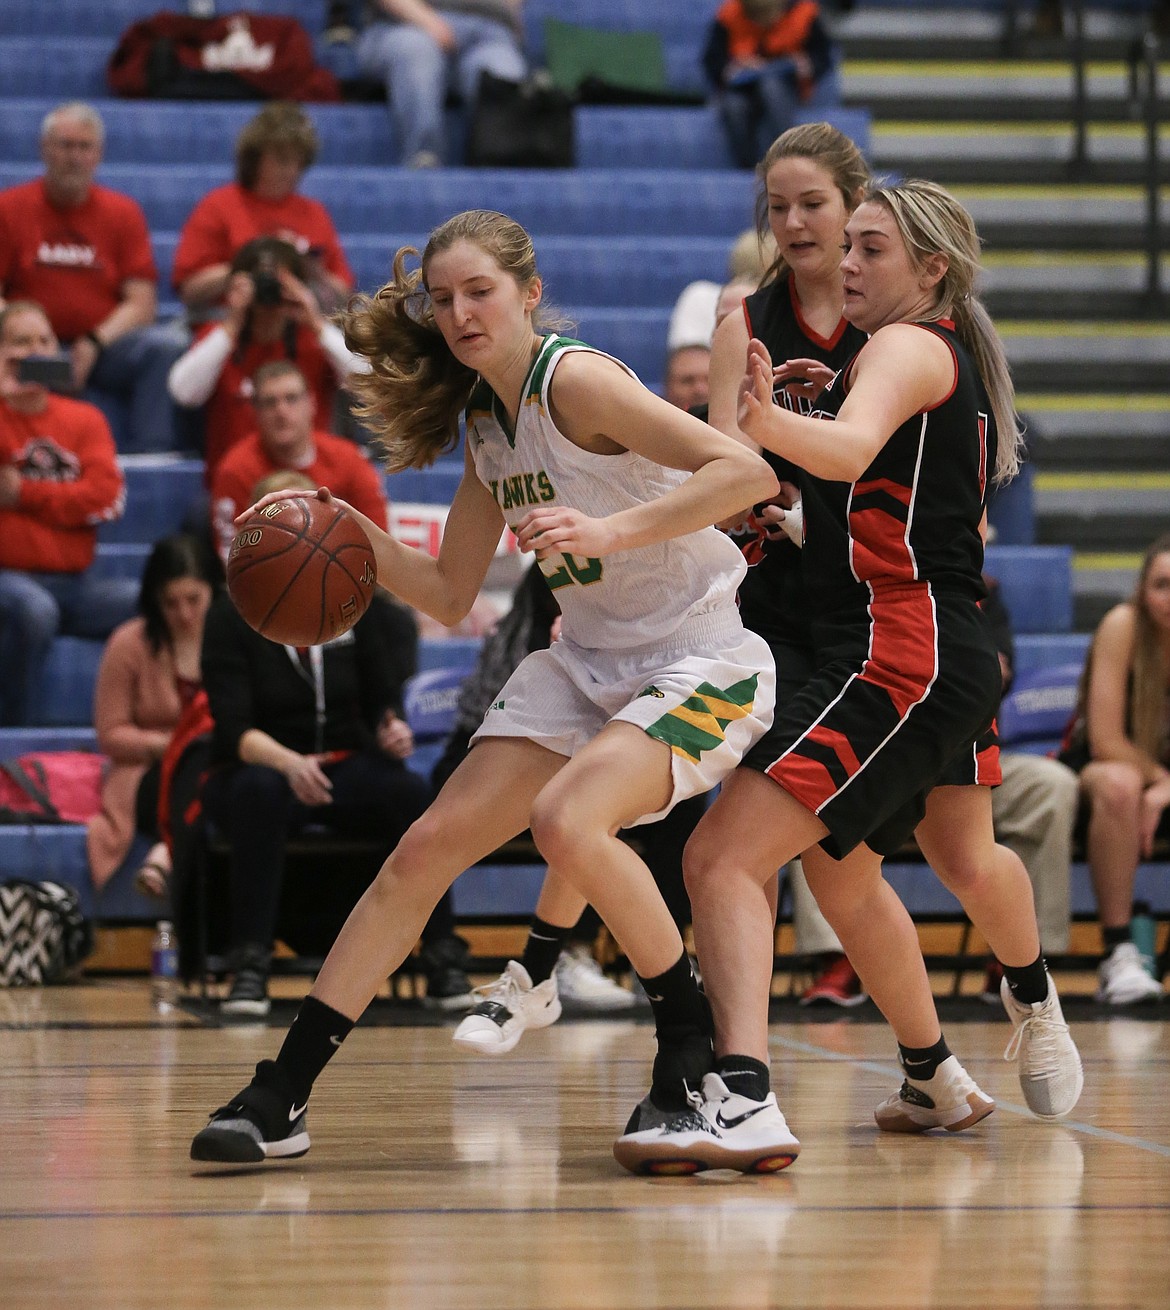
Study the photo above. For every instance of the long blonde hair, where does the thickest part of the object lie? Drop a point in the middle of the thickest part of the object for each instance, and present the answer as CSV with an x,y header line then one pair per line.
x,y
1147,705
416,389
823,144
932,222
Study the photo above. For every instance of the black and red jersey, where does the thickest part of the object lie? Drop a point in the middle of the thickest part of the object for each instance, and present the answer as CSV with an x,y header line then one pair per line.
x,y
770,597
914,514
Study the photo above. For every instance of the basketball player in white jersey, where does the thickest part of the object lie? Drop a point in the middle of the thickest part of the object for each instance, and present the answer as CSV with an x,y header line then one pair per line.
x,y
653,692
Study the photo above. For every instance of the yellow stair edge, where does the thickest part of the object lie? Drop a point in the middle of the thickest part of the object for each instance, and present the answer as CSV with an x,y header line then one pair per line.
x,y
1120,480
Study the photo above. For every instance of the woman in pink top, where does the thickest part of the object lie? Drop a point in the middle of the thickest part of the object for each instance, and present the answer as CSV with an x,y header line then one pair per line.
x,y
149,670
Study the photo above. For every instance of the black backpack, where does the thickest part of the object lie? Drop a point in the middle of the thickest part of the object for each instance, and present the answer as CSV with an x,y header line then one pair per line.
x,y
43,934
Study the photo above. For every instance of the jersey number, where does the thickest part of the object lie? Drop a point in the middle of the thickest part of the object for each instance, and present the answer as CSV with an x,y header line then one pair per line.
x,y
571,571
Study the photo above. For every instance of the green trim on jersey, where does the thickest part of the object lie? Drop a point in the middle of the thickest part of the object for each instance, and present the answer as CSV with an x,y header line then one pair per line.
x,y
699,723
535,384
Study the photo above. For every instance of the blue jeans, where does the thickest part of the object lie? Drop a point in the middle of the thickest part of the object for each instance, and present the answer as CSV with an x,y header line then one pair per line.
x,y
417,72
756,113
129,385
35,608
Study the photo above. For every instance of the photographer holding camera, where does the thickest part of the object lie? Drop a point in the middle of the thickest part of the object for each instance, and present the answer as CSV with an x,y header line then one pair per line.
x,y
273,151
59,479
271,315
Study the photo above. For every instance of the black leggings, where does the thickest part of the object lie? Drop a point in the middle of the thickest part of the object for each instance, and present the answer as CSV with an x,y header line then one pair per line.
x,y
253,807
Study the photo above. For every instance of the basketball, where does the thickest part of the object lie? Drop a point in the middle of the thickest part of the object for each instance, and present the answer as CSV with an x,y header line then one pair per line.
x,y
301,571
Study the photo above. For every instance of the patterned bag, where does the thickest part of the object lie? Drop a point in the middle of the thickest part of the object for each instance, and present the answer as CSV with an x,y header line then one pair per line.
x,y
43,934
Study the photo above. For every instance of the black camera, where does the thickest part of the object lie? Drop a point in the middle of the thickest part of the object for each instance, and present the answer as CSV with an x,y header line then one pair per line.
x,y
52,371
266,288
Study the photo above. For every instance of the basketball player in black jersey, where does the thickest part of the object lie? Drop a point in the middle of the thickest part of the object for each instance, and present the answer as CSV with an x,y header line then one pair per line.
x,y
906,678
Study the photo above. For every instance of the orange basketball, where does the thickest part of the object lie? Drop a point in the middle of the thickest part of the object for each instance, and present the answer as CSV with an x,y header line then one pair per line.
x,y
301,571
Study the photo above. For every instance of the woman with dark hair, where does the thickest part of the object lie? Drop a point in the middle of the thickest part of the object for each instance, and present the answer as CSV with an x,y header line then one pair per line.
x,y
148,673
271,314
1120,745
272,153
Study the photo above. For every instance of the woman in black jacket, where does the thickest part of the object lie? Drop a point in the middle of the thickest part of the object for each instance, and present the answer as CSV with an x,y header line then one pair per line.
x,y
307,736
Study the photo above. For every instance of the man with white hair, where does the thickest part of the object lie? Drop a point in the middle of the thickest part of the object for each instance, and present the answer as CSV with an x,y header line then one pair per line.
x,y
83,252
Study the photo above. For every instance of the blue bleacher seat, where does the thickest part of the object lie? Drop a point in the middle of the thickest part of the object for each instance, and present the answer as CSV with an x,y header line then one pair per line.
x,y
673,138
123,559
67,687
16,741
159,491
1011,511
1034,714
430,486
67,67
1036,585
565,202
447,652
1039,650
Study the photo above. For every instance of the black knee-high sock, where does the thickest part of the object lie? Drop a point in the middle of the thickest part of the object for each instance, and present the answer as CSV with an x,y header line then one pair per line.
x,y
683,1026
311,1042
544,945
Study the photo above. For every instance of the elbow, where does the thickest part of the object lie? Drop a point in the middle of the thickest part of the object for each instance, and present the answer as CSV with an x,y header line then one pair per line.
x,y
761,481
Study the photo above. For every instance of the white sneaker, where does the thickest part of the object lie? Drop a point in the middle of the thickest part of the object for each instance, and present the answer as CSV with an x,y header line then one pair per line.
x,y
581,983
721,1130
1122,980
1051,1076
507,1007
949,1100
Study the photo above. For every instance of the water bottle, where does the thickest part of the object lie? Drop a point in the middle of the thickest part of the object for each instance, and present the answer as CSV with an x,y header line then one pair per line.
x,y
164,967
1143,932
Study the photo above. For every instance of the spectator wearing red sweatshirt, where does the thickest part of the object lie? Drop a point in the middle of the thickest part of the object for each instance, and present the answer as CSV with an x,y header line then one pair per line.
x,y
82,251
59,479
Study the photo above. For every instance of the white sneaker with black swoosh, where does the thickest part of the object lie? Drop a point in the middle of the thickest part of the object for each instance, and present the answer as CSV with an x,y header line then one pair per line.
x,y
261,1123
721,1130
753,1135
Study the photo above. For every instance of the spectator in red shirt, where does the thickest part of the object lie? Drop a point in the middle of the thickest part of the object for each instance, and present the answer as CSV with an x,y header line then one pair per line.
x,y
271,314
59,478
83,252
272,153
286,441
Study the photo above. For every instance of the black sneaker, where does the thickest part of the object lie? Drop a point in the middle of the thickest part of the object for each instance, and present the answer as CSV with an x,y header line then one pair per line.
x,y
249,989
261,1123
444,962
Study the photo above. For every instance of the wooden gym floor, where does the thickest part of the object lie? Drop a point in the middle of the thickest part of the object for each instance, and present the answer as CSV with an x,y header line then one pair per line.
x,y
438,1180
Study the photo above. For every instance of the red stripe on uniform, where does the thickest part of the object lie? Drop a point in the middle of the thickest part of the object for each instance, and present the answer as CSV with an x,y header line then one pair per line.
x,y
808,781
987,769
838,743
903,646
898,490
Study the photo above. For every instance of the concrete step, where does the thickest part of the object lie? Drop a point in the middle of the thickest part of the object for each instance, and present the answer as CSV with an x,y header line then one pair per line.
x,y
991,88
1062,217
1108,431
1071,283
950,32
1101,579
1011,150
1085,355
1115,511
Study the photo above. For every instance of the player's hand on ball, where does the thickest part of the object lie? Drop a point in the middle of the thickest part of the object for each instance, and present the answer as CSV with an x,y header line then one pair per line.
x,y
309,782
555,530
322,494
